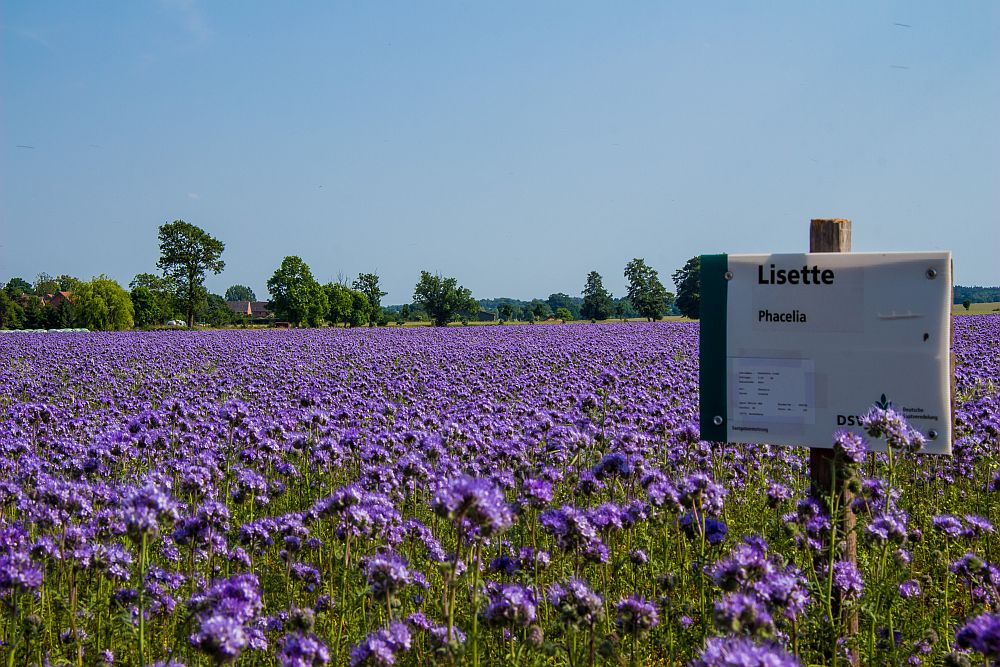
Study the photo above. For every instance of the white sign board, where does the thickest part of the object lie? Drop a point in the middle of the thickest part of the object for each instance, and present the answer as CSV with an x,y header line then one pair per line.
x,y
796,347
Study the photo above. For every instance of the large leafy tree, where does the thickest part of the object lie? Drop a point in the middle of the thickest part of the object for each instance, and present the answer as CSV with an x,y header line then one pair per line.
x,y
647,294
187,252
102,304
11,312
443,298
240,293
162,291
346,306
145,308
367,284
688,282
597,301
16,287
295,294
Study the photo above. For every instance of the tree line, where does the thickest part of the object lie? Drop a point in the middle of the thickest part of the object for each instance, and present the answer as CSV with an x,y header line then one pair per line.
x,y
188,254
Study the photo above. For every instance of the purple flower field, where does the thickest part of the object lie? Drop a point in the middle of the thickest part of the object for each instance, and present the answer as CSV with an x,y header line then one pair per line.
x,y
464,496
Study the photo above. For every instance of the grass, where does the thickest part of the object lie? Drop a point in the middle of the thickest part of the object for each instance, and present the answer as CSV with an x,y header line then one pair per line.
x,y
976,308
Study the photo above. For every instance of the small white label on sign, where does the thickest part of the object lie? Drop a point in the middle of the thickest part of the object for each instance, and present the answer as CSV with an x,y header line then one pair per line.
x,y
773,390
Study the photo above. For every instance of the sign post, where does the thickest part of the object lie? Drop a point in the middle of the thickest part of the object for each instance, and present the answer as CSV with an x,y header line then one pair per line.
x,y
834,235
797,346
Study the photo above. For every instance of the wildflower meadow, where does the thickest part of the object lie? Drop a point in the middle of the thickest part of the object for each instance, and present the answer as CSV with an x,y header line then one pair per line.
x,y
503,495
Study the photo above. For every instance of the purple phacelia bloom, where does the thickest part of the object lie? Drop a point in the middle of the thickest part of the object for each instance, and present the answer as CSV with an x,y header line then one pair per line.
x,y
948,525
387,574
701,494
715,530
579,607
476,501
849,446
847,579
220,636
740,613
382,647
636,616
537,492
909,589
742,652
146,508
510,606
777,494
981,634
302,650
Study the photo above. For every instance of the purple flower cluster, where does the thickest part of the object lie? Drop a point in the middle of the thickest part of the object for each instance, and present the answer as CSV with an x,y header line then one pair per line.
x,y
579,607
382,647
635,616
475,501
223,613
742,652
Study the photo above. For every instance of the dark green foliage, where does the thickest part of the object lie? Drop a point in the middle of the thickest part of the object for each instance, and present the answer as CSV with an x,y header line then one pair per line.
x,y
186,253
346,306
443,298
11,312
296,296
570,303
240,293
45,284
647,294
217,313
367,284
975,294
145,309
688,282
597,302
540,309
16,287
165,303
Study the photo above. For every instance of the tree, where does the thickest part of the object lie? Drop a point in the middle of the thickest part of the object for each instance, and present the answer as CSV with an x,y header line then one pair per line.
x,y
506,312
688,282
966,304
560,300
597,301
11,313
16,287
45,284
146,310
443,298
345,305
217,313
186,253
103,305
296,296
540,309
647,294
367,284
360,309
240,293
162,291
67,283
564,314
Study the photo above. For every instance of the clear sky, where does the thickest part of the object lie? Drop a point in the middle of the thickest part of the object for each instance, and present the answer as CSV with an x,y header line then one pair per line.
x,y
513,145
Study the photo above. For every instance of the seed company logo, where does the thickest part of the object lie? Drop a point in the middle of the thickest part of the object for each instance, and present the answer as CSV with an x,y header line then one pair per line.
x,y
855,420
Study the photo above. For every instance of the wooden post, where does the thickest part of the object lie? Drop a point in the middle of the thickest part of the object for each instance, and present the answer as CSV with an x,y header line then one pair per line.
x,y
834,235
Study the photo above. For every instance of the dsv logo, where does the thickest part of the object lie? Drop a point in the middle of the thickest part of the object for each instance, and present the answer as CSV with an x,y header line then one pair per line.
x,y
855,420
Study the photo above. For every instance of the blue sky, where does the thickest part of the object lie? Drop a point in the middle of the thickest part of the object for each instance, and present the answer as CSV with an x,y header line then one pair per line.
x,y
515,146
